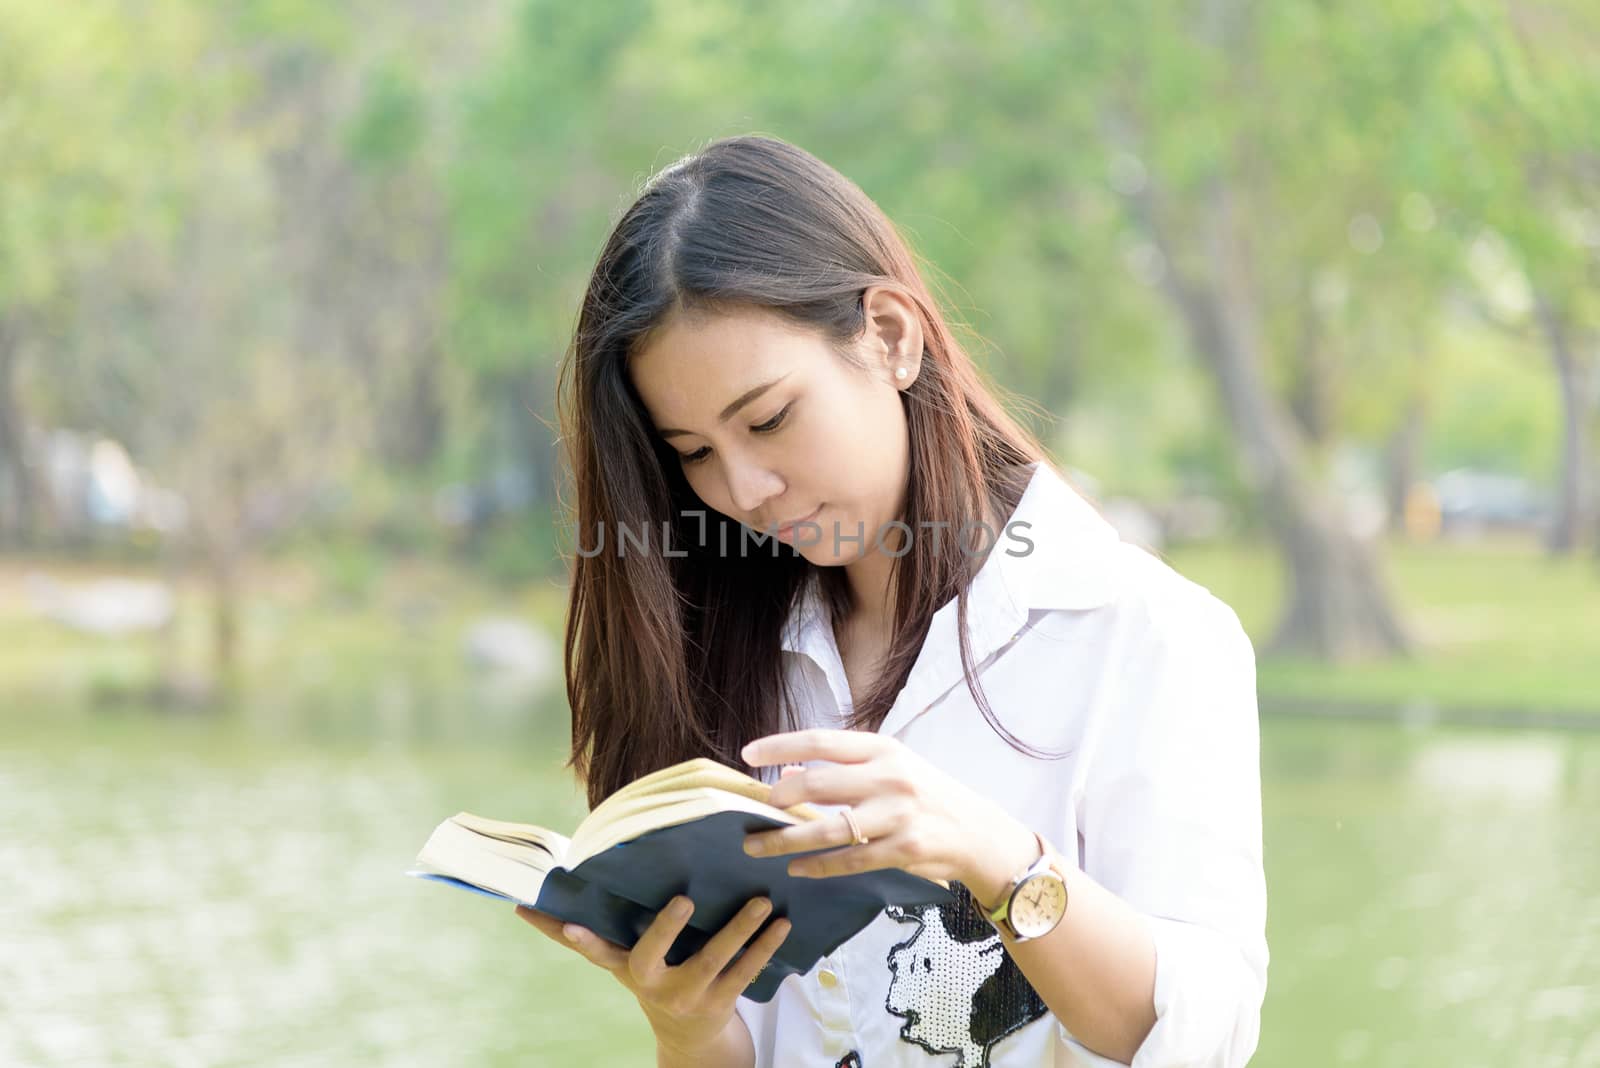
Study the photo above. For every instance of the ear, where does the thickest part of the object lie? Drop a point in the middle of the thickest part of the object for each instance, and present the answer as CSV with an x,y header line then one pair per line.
x,y
893,334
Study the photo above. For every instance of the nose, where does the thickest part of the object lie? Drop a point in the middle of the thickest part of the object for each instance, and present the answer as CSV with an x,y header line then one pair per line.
x,y
751,484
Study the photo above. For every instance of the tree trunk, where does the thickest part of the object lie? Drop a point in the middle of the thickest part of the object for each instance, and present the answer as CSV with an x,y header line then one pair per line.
x,y
169,655
412,438
1569,521
1401,462
223,569
1594,455
1311,399
17,504
1338,605
540,436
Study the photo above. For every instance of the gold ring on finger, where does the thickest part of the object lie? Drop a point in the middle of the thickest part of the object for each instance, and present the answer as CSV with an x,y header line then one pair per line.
x,y
855,830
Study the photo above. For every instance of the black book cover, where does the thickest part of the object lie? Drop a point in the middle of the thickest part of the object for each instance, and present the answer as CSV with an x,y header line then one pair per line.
x,y
618,893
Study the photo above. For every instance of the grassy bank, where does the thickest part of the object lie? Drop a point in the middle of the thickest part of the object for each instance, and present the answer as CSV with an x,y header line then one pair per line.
x,y
1498,625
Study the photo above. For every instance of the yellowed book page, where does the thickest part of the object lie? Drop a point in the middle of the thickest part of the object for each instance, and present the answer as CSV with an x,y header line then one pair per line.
x,y
515,833
697,773
630,818
700,771
455,851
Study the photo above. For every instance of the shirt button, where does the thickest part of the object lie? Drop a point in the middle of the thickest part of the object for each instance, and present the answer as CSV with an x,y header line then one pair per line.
x,y
827,979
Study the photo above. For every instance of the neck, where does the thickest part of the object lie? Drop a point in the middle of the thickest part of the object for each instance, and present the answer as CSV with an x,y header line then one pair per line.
x,y
871,578
871,581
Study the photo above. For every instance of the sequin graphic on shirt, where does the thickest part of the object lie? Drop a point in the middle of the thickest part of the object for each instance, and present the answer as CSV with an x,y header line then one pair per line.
x,y
849,1060
954,983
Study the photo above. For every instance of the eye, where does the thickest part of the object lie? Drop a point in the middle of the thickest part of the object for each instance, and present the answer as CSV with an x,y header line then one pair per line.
x,y
765,428
775,422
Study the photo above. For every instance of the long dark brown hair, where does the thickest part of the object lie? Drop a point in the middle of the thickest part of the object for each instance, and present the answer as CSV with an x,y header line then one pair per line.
x,y
674,652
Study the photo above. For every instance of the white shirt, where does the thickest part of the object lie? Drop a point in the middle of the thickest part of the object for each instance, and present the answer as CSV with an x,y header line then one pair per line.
x,y
1088,643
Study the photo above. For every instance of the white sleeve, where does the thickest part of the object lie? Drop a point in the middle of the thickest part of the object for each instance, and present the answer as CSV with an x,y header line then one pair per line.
x,y
760,1018
1171,821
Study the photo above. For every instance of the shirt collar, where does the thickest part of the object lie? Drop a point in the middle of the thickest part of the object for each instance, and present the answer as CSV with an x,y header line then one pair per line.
x,y
1056,553
1072,560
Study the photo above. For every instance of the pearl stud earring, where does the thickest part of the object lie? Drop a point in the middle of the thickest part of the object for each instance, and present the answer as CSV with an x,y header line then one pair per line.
x,y
900,372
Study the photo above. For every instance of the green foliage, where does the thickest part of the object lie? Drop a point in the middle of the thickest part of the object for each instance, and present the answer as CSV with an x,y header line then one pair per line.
x,y
516,551
1493,413
348,570
407,214
88,132
389,129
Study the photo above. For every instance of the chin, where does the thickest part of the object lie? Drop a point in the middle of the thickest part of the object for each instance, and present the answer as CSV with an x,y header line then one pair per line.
x,y
825,556
821,557
825,548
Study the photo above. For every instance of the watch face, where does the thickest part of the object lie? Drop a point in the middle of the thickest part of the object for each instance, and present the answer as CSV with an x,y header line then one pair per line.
x,y
1038,905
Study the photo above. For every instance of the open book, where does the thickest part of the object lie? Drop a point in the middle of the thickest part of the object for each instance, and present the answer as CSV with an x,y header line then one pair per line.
x,y
679,830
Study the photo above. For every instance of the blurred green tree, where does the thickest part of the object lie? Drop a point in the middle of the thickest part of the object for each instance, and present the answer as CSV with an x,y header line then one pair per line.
x,y
89,95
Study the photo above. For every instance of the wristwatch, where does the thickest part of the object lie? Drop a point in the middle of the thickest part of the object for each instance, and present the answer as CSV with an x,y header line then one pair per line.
x,y
1035,901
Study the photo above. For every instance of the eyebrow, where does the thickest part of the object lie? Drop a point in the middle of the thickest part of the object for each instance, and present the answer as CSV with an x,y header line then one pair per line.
x,y
728,413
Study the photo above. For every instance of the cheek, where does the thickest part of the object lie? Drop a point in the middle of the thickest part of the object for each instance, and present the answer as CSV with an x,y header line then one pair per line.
x,y
862,450
707,485
843,440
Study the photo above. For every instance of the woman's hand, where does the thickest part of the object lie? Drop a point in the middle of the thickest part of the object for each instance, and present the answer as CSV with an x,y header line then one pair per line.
x,y
689,1005
913,815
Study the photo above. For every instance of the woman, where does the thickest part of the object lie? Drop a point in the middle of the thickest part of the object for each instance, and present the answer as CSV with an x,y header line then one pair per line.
x,y
944,640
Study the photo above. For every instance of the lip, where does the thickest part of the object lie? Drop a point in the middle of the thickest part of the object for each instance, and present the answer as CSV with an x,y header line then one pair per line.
x,y
788,526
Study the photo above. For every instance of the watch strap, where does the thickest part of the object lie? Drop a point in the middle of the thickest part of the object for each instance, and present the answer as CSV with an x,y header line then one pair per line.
x,y
1001,913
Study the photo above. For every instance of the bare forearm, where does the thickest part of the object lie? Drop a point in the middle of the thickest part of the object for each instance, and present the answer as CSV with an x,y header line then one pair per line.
x,y
732,1049
1096,971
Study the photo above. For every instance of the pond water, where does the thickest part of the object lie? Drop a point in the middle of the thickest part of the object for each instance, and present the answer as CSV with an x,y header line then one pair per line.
x,y
184,892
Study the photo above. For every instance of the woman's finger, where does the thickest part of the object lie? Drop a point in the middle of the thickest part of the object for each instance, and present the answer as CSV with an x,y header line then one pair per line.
x,y
830,832
712,957
828,784
547,924
816,743
648,956
743,971
585,943
880,854
595,949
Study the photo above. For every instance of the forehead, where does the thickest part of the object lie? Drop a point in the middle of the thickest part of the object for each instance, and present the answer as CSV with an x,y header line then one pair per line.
x,y
696,363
